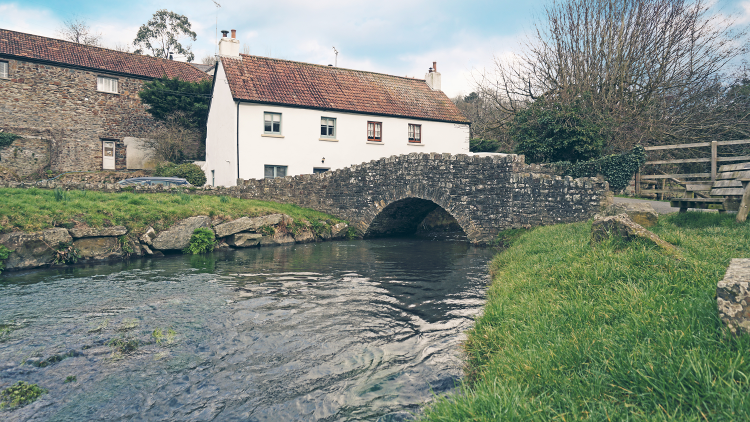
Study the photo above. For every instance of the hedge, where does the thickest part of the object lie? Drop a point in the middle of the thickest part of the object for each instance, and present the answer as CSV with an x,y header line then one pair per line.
x,y
617,169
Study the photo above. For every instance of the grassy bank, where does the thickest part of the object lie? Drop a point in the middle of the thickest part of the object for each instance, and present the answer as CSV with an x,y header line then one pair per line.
x,y
611,332
37,209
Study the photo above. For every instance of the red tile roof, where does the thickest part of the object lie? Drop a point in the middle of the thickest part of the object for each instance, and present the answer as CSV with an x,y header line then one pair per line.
x,y
34,47
275,81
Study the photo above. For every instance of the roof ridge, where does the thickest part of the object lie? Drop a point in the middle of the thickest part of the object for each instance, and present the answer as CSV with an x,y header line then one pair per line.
x,y
327,67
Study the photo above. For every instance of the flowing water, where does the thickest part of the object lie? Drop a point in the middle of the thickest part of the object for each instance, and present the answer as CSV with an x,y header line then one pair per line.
x,y
338,331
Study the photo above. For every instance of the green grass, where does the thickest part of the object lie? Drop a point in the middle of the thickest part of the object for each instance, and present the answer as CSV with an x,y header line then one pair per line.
x,y
617,331
38,209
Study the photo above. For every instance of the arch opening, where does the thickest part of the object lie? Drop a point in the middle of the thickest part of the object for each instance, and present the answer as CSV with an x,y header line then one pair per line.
x,y
414,217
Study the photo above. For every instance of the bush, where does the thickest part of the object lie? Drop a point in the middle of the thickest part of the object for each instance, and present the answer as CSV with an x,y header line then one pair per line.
x,y
483,145
4,254
7,138
191,172
202,241
19,395
617,169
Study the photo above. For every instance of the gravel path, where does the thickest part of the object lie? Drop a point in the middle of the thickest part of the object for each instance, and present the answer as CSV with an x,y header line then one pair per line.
x,y
659,206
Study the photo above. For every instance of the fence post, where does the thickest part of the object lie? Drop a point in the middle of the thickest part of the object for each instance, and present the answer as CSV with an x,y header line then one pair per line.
x,y
713,160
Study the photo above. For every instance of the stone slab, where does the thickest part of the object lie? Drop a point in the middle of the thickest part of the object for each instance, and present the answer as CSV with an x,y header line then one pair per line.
x,y
78,233
98,247
244,240
733,296
247,224
36,249
178,236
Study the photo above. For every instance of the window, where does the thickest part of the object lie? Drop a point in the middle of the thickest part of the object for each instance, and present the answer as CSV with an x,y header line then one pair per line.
x,y
317,170
415,133
272,172
327,127
105,84
213,177
374,130
272,123
3,69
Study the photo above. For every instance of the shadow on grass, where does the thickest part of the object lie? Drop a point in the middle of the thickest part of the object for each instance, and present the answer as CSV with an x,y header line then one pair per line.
x,y
700,220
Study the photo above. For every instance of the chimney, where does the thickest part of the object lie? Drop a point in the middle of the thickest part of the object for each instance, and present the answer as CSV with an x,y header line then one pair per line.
x,y
229,47
433,77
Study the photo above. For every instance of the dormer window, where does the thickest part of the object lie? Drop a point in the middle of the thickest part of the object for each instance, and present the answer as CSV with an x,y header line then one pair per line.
x,y
105,84
3,69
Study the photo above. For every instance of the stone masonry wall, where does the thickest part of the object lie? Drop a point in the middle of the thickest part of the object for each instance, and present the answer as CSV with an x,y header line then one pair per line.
x,y
63,106
26,156
486,194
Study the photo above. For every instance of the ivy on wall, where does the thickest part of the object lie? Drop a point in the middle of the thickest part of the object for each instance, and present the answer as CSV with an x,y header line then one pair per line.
x,y
617,169
7,138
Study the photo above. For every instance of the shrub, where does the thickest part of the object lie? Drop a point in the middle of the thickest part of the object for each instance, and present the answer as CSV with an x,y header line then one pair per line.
x,y
7,138
202,241
483,145
4,254
19,395
617,169
191,172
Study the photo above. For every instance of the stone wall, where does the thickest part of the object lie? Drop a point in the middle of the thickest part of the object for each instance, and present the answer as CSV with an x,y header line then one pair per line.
x,y
63,106
26,156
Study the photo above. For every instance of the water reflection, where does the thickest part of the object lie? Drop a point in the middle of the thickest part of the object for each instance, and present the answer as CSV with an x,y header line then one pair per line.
x,y
333,331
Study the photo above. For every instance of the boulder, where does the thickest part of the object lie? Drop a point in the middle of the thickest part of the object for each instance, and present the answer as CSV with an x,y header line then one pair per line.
x,y
36,249
98,247
640,213
178,236
244,240
339,230
304,236
733,297
247,224
147,250
277,239
78,233
149,236
604,227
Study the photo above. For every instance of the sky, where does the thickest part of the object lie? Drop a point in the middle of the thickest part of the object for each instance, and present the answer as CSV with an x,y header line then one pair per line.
x,y
397,37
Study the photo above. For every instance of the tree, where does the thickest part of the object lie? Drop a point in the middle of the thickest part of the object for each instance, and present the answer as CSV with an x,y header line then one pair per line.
x,y
651,70
171,141
161,33
78,31
166,96
487,132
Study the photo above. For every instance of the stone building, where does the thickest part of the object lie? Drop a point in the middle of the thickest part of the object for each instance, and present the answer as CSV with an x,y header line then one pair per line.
x,y
75,106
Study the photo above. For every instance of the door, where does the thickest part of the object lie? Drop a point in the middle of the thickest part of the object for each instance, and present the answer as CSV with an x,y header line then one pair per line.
x,y
108,155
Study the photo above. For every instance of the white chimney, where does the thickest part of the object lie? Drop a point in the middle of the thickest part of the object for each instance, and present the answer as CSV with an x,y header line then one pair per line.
x,y
229,46
433,77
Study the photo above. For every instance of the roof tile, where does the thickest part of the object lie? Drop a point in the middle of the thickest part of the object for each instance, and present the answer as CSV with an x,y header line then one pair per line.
x,y
267,80
65,52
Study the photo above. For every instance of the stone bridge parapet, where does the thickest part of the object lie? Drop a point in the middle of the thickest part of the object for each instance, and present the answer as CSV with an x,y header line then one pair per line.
x,y
484,193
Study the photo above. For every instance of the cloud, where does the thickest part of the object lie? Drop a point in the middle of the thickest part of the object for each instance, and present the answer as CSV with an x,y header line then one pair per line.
x,y
30,20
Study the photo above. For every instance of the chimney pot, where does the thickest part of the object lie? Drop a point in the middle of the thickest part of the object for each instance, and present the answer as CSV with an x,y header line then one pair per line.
x,y
434,66
234,33
224,33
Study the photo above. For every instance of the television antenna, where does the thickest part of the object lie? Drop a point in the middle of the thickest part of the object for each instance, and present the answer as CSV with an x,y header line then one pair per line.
x,y
336,62
216,43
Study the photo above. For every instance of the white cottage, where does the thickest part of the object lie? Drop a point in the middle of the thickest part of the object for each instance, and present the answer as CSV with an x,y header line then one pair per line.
x,y
274,118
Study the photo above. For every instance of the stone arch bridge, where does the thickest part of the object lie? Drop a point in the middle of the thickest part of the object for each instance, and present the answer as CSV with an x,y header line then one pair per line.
x,y
485,193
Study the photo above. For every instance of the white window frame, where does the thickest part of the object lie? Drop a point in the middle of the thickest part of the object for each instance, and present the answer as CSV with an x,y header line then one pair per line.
x,y
328,124
275,171
107,84
415,133
4,69
265,119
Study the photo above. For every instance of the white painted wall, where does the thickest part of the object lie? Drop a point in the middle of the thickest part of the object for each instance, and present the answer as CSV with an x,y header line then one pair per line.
x,y
300,147
221,135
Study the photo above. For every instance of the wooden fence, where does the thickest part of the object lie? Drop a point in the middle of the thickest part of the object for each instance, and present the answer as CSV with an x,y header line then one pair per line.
x,y
673,185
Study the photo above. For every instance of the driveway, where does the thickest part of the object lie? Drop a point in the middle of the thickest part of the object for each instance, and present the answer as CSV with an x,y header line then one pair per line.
x,y
659,206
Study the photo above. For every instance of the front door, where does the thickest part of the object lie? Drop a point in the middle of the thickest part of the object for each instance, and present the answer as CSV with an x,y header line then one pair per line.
x,y
108,155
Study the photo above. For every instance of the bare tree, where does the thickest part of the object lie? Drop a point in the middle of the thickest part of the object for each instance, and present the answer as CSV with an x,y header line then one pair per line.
x,y
209,59
78,31
123,48
172,141
486,119
651,69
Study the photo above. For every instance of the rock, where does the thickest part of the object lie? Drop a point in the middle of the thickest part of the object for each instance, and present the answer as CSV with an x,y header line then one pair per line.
x,y
339,230
92,232
149,236
178,236
244,240
98,247
246,223
147,250
733,297
304,236
277,239
640,213
604,227
33,249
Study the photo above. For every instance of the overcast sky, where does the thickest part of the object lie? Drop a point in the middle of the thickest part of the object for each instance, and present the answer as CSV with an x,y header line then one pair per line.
x,y
399,37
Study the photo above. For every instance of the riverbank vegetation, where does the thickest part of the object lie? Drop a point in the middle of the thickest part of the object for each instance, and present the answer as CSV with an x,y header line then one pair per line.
x,y
33,209
612,331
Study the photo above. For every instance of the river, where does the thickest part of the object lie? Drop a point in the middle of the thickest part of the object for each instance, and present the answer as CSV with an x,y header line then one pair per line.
x,y
337,331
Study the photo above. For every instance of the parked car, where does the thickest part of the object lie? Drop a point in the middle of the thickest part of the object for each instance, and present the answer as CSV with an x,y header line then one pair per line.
x,y
151,181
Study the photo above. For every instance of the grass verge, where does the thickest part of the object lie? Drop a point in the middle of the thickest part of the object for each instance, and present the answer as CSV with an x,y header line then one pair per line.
x,y
38,209
616,331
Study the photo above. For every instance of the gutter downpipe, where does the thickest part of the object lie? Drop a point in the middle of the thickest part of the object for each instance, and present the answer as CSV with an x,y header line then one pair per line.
x,y
238,143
